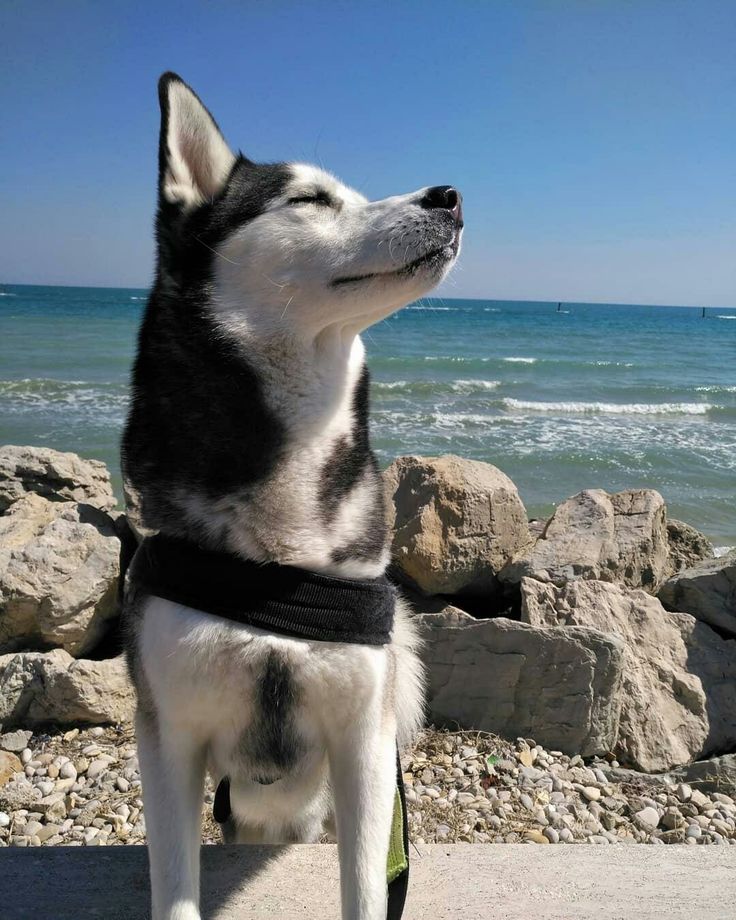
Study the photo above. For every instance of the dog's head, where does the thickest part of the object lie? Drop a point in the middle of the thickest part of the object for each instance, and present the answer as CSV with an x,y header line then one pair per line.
x,y
287,245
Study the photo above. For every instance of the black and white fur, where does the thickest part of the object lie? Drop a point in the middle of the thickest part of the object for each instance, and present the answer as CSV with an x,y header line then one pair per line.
x,y
248,432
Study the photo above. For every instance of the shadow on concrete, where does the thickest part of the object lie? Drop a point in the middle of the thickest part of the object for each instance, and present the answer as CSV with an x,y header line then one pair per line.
x,y
111,883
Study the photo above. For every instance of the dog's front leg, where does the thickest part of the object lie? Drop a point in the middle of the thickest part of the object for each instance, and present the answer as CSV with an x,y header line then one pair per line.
x,y
363,777
172,770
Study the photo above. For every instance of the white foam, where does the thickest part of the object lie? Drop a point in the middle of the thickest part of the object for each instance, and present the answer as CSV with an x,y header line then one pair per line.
x,y
391,384
602,408
715,388
610,363
7,294
455,359
726,316
515,360
469,386
453,419
719,551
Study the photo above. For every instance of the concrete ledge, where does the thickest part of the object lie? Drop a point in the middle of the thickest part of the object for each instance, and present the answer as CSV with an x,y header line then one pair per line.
x,y
462,882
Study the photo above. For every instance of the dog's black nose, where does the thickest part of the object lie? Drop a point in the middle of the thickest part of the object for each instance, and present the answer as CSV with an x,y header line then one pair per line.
x,y
443,196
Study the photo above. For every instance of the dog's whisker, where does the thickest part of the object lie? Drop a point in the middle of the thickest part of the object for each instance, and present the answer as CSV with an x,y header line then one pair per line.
x,y
280,285
219,254
287,306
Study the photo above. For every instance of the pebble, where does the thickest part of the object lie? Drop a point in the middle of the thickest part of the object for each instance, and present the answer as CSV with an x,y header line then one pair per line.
x,y
16,741
647,818
83,788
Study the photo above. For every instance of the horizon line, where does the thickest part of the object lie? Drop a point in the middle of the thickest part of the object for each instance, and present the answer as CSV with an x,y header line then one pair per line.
x,y
573,303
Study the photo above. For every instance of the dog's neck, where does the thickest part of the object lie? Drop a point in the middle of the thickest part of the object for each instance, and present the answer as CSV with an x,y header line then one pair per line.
x,y
322,508
269,455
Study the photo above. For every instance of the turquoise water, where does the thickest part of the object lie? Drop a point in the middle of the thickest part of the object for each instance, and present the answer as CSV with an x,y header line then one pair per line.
x,y
592,396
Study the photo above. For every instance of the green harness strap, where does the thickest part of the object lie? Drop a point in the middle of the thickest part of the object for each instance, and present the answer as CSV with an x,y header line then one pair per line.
x,y
398,861
397,864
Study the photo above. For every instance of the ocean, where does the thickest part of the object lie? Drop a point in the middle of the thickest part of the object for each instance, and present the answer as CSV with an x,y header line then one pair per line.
x,y
587,396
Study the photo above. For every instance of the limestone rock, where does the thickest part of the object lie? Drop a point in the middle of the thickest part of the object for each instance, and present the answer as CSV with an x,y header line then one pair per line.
x,y
58,575
54,475
9,765
707,591
718,774
455,522
134,512
15,741
39,687
678,696
559,685
619,537
688,546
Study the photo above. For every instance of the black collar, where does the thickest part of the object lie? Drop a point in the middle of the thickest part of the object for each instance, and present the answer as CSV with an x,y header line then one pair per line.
x,y
277,598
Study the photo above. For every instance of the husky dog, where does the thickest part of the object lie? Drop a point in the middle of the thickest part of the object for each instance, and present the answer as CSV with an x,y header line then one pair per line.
x,y
248,433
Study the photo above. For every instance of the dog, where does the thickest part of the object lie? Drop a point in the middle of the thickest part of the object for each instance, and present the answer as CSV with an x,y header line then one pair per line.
x,y
248,434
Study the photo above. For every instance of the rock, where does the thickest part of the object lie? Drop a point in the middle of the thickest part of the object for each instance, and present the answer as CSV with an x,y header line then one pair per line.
x,y
647,818
15,741
58,575
134,512
53,806
38,687
456,523
687,545
46,831
559,685
707,591
19,793
68,771
619,537
536,837
715,775
591,793
9,765
699,799
678,695
56,476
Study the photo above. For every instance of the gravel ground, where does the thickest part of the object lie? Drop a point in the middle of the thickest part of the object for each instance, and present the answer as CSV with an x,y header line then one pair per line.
x,y
82,788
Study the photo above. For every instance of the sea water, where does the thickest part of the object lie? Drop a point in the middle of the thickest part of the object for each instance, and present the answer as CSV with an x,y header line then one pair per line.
x,y
561,399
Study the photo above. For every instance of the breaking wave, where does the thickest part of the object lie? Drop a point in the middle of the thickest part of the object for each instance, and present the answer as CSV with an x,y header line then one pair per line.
x,y
604,408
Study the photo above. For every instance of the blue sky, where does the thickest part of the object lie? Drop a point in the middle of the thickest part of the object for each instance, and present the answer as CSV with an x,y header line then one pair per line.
x,y
594,141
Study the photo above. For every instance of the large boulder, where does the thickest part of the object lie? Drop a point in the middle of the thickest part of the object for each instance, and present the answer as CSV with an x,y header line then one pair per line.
x,y
54,475
58,575
678,696
688,546
455,523
619,537
707,591
560,686
53,687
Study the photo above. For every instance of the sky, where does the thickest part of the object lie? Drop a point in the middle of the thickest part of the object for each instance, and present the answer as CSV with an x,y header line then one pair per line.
x,y
594,142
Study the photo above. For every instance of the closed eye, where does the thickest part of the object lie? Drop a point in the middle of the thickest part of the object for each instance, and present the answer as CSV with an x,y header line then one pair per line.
x,y
321,198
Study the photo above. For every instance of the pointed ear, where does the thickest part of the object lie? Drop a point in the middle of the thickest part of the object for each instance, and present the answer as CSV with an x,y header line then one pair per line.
x,y
194,160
